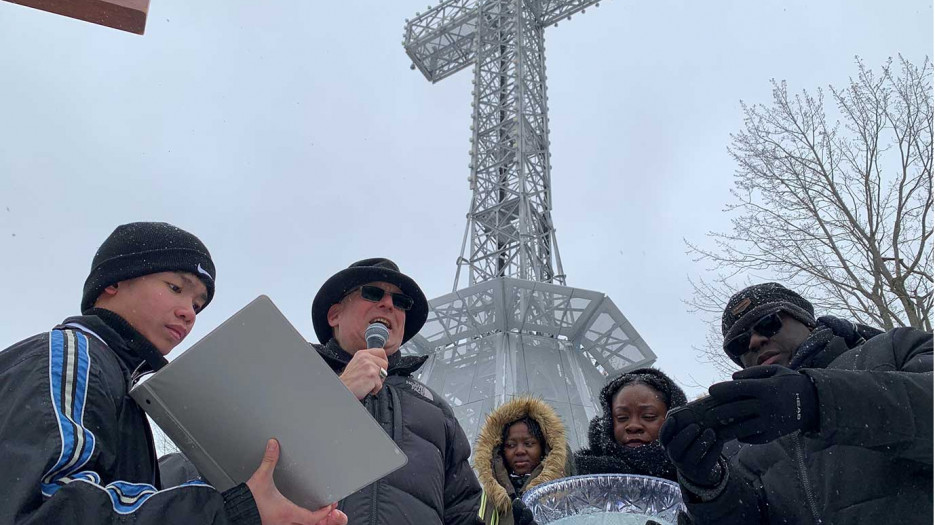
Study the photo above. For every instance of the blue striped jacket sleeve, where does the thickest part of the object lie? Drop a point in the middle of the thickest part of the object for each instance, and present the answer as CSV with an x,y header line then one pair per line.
x,y
59,422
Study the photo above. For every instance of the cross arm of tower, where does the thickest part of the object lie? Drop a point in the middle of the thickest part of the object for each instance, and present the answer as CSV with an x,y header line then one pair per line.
x,y
440,42
555,10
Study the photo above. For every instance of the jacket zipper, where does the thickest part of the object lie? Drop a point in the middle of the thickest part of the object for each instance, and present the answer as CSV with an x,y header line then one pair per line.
x,y
371,402
803,473
373,504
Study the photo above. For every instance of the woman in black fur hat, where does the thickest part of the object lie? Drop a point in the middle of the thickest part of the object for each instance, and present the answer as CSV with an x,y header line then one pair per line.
x,y
625,438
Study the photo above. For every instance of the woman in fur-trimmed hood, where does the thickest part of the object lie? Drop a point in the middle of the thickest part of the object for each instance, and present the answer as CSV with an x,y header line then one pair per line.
x,y
522,445
624,438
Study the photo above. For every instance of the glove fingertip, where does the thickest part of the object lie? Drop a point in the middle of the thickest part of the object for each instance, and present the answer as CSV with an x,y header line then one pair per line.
x,y
756,372
719,390
731,390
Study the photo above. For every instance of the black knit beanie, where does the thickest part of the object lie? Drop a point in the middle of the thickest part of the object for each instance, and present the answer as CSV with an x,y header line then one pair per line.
x,y
143,248
749,305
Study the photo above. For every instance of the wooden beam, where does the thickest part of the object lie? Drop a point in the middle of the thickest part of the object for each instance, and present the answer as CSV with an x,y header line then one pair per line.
x,y
126,15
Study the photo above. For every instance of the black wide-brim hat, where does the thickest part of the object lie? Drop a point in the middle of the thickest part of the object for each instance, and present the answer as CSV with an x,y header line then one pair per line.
x,y
362,272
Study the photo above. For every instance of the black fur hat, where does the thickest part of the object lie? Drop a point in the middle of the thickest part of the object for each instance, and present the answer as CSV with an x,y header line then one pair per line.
x,y
672,394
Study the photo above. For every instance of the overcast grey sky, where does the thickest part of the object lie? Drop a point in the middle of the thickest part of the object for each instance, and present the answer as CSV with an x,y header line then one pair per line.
x,y
293,139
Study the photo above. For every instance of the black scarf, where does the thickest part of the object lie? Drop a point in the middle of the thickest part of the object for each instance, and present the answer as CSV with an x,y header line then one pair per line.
x,y
398,364
333,349
649,459
646,460
130,346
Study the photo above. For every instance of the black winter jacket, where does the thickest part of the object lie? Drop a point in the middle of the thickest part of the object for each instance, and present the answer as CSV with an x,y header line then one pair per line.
x,y
437,485
75,448
869,463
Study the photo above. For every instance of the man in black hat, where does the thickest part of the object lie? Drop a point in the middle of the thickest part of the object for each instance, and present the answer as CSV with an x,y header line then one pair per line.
x,y
437,485
74,447
836,419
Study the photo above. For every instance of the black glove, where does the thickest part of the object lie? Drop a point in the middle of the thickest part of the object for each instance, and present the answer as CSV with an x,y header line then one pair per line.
x,y
693,450
521,513
763,403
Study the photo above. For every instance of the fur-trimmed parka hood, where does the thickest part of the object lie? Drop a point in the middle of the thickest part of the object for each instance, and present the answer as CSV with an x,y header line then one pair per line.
x,y
488,460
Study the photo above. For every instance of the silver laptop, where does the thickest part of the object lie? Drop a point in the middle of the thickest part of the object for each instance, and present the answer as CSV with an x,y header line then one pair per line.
x,y
255,377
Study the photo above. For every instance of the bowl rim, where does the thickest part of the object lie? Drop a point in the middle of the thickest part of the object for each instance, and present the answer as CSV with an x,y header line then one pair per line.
x,y
534,493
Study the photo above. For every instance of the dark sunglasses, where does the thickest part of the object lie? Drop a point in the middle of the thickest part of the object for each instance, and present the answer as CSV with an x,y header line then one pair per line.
x,y
375,294
767,326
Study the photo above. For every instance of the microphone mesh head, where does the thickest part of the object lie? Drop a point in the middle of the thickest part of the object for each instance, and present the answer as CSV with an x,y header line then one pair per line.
x,y
376,335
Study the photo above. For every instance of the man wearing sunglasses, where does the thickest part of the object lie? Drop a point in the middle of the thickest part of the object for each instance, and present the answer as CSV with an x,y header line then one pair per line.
x,y
835,417
437,485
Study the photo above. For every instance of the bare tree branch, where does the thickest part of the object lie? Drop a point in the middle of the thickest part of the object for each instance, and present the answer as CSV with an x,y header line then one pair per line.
x,y
836,203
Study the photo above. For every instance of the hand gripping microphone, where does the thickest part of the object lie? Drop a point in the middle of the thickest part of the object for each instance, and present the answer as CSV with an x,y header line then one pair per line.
x,y
376,335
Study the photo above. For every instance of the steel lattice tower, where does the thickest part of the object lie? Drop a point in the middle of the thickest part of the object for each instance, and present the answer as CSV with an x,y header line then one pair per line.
x,y
515,328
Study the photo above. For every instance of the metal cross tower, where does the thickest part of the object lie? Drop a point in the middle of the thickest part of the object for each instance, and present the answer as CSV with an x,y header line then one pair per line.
x,y
515,328
510,223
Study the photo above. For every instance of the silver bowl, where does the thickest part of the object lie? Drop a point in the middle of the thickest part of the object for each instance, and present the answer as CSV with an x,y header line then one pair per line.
x,y
605,499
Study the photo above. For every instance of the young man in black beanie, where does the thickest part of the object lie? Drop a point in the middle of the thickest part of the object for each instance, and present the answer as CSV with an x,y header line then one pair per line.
x,y
836,418
74,447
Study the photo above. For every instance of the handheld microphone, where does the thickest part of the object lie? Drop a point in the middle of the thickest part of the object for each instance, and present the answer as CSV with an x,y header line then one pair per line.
x,y
376,335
